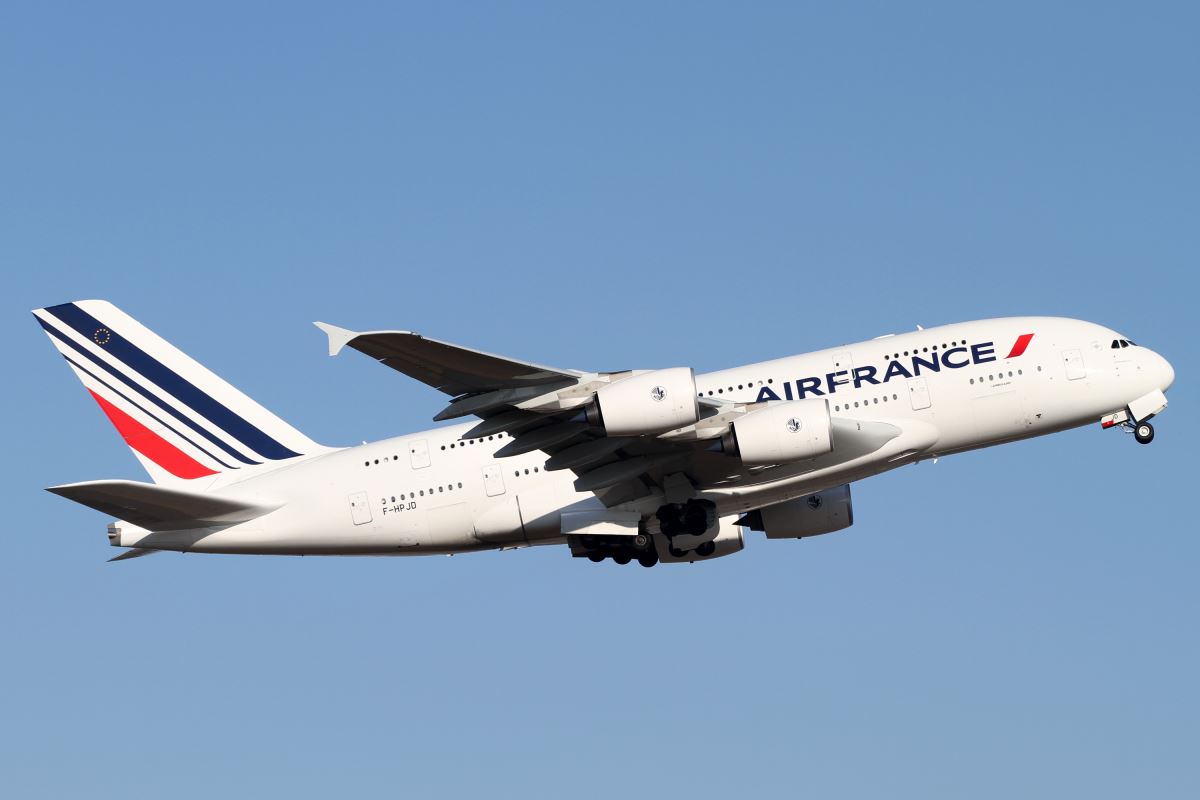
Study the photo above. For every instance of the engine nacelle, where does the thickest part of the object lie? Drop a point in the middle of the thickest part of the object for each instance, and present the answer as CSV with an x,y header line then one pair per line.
x,y
811,515
646,404
782,432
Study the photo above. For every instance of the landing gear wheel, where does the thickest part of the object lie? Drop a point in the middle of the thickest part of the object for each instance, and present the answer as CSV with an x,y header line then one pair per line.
x,y
647,559
641,541
1144,433
677,553
706,549
596,557
621,559
695,519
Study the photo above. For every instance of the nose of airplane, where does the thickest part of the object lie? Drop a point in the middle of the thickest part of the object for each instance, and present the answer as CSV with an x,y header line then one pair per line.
x,y
1162,370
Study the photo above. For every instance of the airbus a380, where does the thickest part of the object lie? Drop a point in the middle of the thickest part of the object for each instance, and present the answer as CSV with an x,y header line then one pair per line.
x,y
655,466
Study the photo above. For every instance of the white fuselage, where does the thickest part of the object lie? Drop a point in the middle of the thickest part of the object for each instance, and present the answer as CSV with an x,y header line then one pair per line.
x,y
953,389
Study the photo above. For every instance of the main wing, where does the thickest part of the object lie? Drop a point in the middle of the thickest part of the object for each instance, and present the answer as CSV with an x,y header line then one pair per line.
x,y
449,368
540,407
590,423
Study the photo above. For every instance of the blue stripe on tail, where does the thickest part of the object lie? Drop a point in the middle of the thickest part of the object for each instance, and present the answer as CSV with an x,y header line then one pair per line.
x,y
180,388
141,408
62,337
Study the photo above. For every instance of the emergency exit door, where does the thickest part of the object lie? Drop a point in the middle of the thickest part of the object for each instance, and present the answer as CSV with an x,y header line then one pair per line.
x,y
918,393
418,453
1073,362
493,480
360,512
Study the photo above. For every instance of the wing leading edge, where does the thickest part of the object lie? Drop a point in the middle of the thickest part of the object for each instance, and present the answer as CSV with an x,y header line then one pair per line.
x,y
447,367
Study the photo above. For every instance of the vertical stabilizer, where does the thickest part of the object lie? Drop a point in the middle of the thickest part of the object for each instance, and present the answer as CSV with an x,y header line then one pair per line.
x,y
183,422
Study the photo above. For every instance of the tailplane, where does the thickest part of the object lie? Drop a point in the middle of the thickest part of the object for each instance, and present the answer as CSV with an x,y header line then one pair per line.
x,y
158,508
183,422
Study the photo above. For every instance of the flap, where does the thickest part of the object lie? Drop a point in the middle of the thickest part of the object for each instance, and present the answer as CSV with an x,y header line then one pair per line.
x,y
447,367
157,508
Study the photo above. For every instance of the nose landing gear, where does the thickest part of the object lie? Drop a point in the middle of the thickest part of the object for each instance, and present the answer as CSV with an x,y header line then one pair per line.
x,y
1143,432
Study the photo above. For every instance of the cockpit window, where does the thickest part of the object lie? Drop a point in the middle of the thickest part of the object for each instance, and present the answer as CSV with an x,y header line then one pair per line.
x,y
1119,343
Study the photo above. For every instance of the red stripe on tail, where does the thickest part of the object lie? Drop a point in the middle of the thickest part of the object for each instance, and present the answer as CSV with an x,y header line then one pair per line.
x,y
151,445
1022,342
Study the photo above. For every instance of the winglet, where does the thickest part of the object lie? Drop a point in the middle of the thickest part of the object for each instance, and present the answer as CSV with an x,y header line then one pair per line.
x,y
338,337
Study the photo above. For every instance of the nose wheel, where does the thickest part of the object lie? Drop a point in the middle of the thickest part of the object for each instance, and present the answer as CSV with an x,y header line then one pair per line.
x,y
1143,432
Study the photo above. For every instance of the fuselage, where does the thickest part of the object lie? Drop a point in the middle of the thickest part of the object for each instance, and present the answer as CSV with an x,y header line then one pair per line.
x,y
950,389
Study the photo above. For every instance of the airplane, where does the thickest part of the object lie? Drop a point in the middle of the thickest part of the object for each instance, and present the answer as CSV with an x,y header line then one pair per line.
x,y
652,465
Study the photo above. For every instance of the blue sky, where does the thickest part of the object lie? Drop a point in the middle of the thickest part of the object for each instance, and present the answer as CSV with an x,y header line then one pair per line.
x,y
604,187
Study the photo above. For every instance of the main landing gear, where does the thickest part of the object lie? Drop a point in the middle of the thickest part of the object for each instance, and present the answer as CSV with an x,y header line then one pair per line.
x,y
692,518
622,549
675,520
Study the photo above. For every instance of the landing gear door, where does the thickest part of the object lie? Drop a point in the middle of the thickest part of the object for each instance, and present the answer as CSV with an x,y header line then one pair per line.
x,y
918,393
360,512
493,480
1073,361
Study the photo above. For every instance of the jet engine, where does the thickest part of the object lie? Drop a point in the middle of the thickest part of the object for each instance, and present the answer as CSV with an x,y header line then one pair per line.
x,y
652,402
811,515
782,432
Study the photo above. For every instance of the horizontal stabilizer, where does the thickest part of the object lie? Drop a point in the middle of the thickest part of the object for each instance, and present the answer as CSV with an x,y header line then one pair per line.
x,y
157,508
134,552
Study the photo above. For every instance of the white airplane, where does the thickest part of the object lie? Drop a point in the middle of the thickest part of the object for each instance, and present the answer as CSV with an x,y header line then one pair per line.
x,y
647,465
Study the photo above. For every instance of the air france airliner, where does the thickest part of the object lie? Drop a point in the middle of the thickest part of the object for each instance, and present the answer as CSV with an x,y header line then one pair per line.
x,y
651,465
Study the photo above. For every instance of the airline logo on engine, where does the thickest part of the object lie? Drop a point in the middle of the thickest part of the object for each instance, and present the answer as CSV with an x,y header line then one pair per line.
x,y
913,366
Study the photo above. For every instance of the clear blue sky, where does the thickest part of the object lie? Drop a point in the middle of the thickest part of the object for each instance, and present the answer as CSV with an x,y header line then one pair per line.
x,y
612,186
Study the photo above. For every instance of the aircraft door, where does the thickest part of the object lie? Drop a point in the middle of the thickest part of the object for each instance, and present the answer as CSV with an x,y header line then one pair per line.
x,y
842,360
360,512
418,453
493,480
918,393
1073,361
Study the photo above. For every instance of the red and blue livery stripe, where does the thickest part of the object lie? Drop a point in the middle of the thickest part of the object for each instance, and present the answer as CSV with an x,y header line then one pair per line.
x,y
178,387
151,445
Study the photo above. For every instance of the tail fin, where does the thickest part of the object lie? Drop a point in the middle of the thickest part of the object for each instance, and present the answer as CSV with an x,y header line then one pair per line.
x,y
181,421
